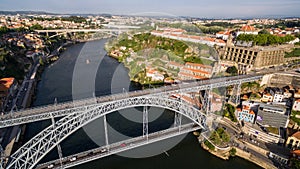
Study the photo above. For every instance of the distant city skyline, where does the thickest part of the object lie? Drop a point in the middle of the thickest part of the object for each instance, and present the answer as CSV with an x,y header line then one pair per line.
x,y
208,9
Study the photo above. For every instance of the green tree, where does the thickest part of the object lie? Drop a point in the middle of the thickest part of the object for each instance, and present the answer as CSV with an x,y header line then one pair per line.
x,y
209,145
232,152
232,70
264,31
36,27
295,164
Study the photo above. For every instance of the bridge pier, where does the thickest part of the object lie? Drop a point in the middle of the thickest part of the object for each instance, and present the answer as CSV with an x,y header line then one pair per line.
x,y
177,120
105,131
207,101
145,122
60,155
235,98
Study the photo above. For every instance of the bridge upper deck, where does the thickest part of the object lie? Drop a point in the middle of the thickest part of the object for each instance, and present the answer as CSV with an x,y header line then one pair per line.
x,y
57,110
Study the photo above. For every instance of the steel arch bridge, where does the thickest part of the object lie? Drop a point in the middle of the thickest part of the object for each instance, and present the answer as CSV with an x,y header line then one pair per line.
x,y
34,150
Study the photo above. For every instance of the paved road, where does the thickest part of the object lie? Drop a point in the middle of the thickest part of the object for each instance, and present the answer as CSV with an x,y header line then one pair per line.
x,y
118,147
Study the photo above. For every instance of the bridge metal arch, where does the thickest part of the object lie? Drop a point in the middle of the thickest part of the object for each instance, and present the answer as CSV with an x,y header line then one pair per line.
x,y
35,149
112,33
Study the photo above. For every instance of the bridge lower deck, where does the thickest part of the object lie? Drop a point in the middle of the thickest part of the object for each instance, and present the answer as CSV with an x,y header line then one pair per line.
x,y
107,150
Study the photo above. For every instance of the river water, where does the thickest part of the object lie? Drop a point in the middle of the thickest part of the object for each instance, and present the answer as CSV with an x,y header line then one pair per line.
x,y
111,77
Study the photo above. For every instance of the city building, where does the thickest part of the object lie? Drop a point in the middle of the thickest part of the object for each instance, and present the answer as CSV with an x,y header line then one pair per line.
x,y
294,141
246,114
154,75
178,34
278,97
216,103
296,154
272,116
296,105
255,131
223,35
175,65
267,97
192,71
249,58
297,94
7,88
247,29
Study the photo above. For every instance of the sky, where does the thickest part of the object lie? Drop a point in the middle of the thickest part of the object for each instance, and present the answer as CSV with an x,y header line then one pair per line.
x,y
196,8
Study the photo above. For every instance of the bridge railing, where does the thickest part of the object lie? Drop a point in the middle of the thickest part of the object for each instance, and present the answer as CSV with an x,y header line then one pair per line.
x,y
107,98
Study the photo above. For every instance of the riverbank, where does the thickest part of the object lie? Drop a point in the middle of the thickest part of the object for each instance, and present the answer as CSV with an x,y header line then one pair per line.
x,y
27,91
225,155
248,156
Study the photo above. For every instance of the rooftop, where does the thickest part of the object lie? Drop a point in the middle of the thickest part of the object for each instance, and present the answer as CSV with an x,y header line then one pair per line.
x,y
272,119
5,83
297,152
198,64
248,28
296,135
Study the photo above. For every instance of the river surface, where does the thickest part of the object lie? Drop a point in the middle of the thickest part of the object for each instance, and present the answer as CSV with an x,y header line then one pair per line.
x,y
111,77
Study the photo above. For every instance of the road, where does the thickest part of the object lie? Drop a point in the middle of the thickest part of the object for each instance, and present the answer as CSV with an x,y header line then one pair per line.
x,y
118,147
18,101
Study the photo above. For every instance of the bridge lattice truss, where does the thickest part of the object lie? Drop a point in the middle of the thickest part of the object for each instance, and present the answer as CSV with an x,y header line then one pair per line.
x,y
34,150
64,109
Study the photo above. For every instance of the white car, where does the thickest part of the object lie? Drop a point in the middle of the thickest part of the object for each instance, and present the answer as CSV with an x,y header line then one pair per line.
x,y
73,159
50,166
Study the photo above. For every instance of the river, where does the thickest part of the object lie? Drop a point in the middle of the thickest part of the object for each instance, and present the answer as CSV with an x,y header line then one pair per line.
x,y
111,77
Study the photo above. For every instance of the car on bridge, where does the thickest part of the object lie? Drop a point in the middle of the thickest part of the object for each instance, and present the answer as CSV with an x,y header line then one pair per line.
x,y
50,166
103,150
123,145
73,159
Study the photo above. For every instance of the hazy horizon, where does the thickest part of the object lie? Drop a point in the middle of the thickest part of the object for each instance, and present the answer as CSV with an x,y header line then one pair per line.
x,y
202,9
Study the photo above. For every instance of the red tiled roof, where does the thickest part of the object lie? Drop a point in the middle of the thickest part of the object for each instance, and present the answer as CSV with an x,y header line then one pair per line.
x,y
5,83
193,76
252,112
175,63
296,135
198,64
268,94
297,152
246,107
196,71
248,28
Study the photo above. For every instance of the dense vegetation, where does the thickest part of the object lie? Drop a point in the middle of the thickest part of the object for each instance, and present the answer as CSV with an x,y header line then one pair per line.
x,y
193,59
229,112
220,136
36,27
209,145
232,70
3,30
76,19
210,29
294,53
148,41
9,65
295,163
288,24
265,39
294,118
221,24
232,152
